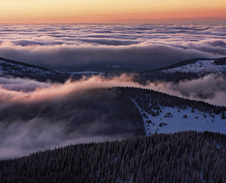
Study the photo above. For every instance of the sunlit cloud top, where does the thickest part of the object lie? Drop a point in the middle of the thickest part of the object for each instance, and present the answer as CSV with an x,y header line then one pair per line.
x,y
112,11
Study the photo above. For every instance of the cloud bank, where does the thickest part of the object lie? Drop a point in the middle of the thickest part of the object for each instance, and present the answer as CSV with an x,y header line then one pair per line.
x,y
206,88
133,47
20,139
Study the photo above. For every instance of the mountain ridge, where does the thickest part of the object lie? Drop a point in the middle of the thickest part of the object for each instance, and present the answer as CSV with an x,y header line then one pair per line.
x,y
186,70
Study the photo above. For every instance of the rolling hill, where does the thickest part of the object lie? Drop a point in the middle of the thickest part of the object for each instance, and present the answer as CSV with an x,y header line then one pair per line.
x,y
187,69
12,68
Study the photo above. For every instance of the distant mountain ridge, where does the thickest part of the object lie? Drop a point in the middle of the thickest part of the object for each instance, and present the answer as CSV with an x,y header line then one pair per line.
x,y
14,68
186,70
217,61
24,64
23,70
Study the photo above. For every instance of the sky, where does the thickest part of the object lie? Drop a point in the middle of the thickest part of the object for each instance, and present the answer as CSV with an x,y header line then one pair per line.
x,y
112,11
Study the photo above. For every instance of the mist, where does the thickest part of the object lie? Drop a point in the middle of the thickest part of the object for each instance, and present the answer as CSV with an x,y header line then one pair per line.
x,y
21,139
210,88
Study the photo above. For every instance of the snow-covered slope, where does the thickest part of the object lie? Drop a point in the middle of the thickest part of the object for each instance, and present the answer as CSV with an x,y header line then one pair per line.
x,y
200,66
174,119
186,70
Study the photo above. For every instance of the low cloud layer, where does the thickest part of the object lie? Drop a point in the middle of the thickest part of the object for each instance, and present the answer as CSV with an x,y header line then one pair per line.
x,y
20,139
19,84
209,88
133,47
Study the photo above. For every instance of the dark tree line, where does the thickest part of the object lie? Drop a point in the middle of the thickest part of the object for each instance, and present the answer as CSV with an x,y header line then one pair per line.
x,y
182,157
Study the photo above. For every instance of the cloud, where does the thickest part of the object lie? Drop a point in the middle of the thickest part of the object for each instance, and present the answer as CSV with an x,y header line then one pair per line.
x,y
111,42
139,57
19,84
92,47
219,43
20,139
32,43
205,88
210,88
57,90
210,46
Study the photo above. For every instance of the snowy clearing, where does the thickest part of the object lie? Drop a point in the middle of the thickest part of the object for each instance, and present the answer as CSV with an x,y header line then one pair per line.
x,y
201,66
172,120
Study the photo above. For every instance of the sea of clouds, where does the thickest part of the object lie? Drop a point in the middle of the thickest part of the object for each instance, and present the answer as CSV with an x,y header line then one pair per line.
x,y
135,47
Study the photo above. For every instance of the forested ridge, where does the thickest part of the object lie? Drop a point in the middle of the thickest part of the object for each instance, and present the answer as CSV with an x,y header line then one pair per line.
x,y
181,157
145,96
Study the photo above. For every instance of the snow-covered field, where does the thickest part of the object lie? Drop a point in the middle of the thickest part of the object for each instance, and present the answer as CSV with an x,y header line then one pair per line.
x,y
172,120
199,67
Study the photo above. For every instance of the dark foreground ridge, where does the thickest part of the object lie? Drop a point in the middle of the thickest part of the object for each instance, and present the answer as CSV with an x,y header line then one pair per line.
x,y
181,157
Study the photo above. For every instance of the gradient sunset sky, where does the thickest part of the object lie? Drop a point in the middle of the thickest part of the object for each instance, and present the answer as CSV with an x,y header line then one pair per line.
x,y
112,11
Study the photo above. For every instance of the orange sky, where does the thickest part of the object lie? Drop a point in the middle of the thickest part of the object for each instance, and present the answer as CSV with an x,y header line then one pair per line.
x,y
112,11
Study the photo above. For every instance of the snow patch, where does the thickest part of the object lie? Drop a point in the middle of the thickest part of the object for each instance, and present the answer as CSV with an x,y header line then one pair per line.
x,y
171,120
201,66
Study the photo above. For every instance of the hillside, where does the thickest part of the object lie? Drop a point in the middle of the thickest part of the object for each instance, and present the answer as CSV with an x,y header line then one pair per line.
x,y
187,69
181,157
200,61
12,68
19,69
94,115
99,115
89,113
121,110
163,113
